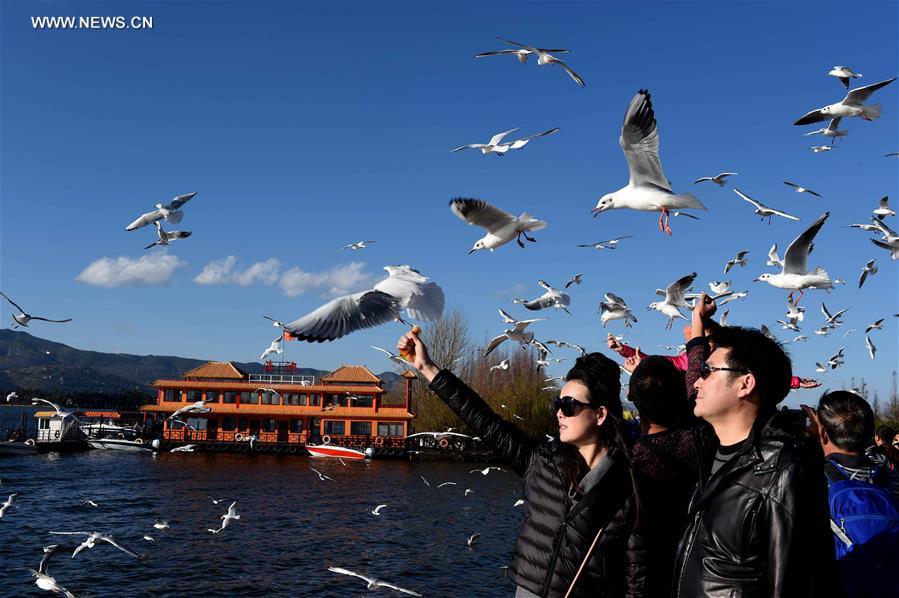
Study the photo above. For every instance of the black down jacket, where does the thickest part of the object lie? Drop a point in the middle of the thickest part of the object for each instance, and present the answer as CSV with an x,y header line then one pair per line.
x,y
759,526
557,530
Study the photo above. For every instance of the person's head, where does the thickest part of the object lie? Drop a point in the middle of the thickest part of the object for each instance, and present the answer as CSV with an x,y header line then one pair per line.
x,y
590,401
709,327
846,422
884,435
657,389
747,372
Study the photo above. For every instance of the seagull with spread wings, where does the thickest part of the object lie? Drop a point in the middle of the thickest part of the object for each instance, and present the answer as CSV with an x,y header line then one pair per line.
x,y
166,237
718,179
501,226
491,146
795,275
763,210
674,299
648,188
171,212
544,58
831,131
22,319
518,333
843,73
800,189
553,297
522,54
373,583
853,105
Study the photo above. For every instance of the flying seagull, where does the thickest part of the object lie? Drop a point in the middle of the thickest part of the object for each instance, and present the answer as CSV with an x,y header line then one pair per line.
x,y
502,365
608,244
795,275
883,209
521,54
404,288
763,210
373,584
718,179
833,319
377,509
520,143
831,131
773,258
491,146
551,298
869,268
22,319
227,518
545,58
853,105
739,260
322,476
800,189
674,299
648,188
171,212
7,504
872,350
877,325
614,308
275,347
166,237
576,279
357,245
197,407
821,148
473,538
501,226
91,540
517,333
843,73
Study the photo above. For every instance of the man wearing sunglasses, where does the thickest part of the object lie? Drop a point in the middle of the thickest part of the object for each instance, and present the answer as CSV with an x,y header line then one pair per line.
x,y
757,521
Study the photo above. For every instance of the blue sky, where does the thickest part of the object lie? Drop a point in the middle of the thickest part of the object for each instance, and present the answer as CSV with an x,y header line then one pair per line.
x,y
306,126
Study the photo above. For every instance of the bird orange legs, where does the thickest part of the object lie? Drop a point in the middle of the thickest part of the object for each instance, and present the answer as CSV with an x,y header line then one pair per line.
x,y
790,297
664,227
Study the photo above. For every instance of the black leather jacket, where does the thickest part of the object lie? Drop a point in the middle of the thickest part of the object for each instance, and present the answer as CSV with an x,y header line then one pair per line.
x,y
758,527
557,530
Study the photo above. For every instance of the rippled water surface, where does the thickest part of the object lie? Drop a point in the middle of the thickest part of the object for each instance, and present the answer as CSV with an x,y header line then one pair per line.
x,y
293,526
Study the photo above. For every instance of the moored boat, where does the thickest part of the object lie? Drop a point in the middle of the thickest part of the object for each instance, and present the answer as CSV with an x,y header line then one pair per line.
x,y
121,444
18,448
328,450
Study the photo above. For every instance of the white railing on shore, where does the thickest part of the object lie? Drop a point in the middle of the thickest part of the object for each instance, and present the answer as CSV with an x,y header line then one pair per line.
x,y
282,378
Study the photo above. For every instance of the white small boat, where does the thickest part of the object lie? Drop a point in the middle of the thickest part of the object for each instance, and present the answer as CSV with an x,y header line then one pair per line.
x,y
328,450
18,448
120,444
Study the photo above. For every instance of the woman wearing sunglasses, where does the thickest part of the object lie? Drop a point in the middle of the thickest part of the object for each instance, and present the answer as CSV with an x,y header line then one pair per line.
x,y
577,537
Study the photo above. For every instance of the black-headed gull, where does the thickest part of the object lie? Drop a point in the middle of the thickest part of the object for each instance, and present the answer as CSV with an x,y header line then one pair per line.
x,y
22,319
392,356
502,365
91,540
227,518
493,146
614,308
522,54
872,350
853,105
648,188
763,210
831,131
11,396
42,578
843,73
520,143
275,347
739,260
801,189
877,325
166,237
171,212
373,583
473,538
487,470
576,279
517,333
551,298
795,275
404,288
883,209
322,476
544,58
7,504
773,258
377,510
718,179
196,407
674,299
608,244
357,245
870,268
501,226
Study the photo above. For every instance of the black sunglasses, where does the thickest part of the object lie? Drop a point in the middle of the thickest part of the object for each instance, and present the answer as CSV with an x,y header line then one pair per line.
x,y
568,405
705,370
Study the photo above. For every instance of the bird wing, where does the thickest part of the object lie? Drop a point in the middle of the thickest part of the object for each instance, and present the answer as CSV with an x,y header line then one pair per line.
x,y
834,123
180,200
462,147
793,185
499,136
343,571
48,320
772,255
506,317
577,78
640,142
674,294
13,303
119,546
783,214
811,117
826,312
545,300
495,52
550,132
427,305
862,278
859,95
615,299
701,179
344,315
494,343
384,584
531,48
481,213
72,533
145,219
796,256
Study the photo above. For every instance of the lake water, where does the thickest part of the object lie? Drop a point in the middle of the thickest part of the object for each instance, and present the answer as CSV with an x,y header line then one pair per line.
x,y
293,526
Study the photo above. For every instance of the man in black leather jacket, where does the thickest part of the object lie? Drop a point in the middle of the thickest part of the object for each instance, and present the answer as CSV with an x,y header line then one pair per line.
x,y
757,523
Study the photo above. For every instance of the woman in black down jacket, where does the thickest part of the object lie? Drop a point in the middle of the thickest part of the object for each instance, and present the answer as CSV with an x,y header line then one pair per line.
x,y
578,487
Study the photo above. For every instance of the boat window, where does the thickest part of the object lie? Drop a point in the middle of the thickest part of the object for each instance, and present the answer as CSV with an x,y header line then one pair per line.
x,y
314,399
390,429
334,427
270,398
254,426
212,395
172,396
296,426
230,397
197,423
360,428
194,395
228,423
249,398
268,425
362,401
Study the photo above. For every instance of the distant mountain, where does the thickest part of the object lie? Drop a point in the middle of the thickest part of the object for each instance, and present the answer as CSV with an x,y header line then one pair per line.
x,y
34,363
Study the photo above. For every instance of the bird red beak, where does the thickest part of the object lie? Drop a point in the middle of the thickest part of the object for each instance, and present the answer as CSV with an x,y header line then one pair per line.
x,y
596,212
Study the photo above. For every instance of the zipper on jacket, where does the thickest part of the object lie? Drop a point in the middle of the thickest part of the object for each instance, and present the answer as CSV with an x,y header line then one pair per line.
x,y
557,544
687,551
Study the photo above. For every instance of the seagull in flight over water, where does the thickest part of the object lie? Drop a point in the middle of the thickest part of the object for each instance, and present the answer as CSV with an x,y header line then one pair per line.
x,y
91,540
373,583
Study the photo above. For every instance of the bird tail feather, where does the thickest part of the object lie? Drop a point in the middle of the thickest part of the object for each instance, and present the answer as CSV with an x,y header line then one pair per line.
x,y
691,201
871,112
529,223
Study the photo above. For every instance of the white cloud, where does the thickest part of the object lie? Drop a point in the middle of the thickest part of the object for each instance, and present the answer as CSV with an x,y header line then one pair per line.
x,y
216,272
151,269
339,280
263,272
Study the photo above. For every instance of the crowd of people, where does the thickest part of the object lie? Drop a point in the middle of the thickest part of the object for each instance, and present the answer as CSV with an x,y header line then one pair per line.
x,y
723,494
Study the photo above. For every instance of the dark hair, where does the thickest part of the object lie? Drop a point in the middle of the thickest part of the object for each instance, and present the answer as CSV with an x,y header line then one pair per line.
x,y
886,434
760,356
848,420
657,390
